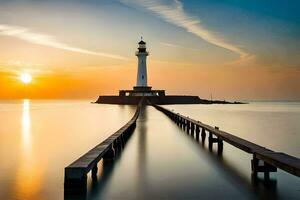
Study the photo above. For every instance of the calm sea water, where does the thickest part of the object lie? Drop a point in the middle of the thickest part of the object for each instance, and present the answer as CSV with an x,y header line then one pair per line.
x,y
39,138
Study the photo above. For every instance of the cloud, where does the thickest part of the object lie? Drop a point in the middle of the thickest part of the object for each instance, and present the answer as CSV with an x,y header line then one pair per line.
x,y
177,46
173,13
170,45
47,40
17,67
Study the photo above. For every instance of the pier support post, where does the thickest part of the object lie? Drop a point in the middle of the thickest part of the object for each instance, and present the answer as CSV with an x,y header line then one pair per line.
x,y
218,140
123,140
192,128
210,141
116,147
203,134
220,143
94,172
120,143
126,136
266,168
197,132
75,181
188,126
110,154
254,165
220,146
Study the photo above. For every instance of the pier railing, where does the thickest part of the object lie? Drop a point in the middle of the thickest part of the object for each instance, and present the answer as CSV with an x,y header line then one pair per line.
x,y
264,160
76,172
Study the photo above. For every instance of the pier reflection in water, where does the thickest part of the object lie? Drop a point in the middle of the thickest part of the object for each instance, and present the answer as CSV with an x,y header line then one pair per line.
x,y
161,161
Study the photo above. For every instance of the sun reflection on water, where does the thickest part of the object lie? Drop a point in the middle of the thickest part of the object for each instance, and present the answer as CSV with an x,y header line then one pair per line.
x,y
26,136
29,173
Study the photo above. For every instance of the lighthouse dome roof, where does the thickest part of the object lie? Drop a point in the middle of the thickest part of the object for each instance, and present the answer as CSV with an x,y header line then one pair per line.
x,y
142,42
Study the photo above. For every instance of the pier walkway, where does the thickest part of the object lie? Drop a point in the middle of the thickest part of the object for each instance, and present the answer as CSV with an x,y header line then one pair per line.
x,y
165,151
76,172
271,160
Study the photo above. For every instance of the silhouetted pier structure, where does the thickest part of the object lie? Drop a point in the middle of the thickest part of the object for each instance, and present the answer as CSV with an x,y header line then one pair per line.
x,y
76,172
264,160
270,160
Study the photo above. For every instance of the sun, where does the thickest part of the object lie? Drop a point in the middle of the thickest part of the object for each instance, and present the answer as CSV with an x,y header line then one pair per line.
x,y
26,78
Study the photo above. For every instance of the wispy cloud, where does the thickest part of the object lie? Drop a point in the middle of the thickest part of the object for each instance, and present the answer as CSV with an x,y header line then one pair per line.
x,y
47,40
17,67
170,45
174,13
177,46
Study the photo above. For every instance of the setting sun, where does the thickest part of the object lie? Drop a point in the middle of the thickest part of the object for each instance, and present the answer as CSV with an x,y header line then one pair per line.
x,y
26,78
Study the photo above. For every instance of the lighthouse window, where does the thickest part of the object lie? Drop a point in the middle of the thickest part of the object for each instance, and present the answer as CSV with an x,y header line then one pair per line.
x,y
143,77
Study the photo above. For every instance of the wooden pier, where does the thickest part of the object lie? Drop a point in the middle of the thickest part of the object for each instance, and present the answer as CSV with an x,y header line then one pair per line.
x,y
264,160
76,172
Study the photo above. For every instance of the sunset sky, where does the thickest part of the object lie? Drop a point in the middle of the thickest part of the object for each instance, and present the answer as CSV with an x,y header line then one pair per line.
x,y
232,49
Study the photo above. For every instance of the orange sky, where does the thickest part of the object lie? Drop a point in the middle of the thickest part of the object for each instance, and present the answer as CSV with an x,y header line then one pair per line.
x,y
234,83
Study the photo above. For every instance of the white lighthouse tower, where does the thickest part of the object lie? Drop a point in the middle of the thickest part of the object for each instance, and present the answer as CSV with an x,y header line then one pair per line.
x,y
142,65
142,88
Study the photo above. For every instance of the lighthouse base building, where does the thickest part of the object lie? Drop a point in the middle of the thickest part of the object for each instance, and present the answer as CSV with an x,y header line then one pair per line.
x,y
143,90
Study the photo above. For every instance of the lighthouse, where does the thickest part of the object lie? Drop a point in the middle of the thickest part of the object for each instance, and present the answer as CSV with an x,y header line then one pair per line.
x,y
142,65
141,88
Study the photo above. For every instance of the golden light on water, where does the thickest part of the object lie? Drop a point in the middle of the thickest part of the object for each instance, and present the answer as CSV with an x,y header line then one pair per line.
x,y
26,123
26,78
30,171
